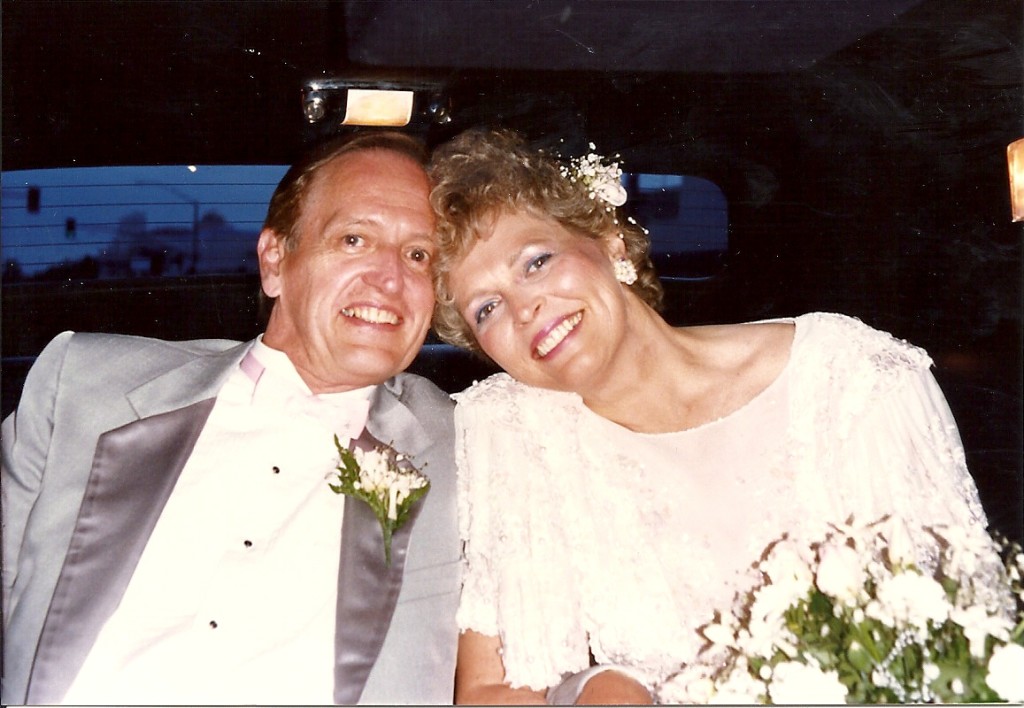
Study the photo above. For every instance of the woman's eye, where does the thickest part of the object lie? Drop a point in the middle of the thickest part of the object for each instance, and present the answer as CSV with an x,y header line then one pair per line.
x,y
537,262
485,311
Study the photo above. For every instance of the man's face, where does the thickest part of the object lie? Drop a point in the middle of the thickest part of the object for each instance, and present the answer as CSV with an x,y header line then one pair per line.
x,y
354,296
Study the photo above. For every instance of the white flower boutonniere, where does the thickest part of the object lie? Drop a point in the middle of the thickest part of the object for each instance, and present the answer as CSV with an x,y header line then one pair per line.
x,y
385,480
602,180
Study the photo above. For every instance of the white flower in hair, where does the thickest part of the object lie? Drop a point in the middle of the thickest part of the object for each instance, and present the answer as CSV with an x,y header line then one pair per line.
x,y
602,180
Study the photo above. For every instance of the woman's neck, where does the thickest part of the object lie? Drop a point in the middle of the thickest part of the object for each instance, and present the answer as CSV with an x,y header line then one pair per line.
x,y
645,384
669,379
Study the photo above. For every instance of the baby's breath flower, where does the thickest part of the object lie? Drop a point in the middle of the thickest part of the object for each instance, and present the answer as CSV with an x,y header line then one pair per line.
x,y
602,180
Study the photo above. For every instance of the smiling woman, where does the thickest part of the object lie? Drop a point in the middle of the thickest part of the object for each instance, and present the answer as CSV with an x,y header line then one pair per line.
x,y
662,461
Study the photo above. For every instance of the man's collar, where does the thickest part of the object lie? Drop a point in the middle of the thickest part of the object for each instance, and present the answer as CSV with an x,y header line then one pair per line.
x,y
278,364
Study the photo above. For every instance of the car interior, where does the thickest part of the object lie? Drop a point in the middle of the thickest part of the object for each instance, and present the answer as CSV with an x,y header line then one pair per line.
x,y
788,156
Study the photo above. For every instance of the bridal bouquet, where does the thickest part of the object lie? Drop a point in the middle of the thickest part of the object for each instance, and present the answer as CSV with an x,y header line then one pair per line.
x,y
852,618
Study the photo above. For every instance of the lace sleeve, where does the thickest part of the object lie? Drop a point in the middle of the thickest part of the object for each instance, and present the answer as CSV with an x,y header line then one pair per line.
x,y
909,445
518,583
883,436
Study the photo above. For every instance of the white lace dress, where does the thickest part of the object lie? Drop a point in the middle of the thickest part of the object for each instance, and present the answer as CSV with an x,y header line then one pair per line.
x,y
582,536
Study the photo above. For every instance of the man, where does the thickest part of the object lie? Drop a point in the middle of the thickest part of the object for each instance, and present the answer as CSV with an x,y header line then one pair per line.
x,y
169,532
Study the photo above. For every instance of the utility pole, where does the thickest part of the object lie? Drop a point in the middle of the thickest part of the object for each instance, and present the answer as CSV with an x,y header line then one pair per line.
x,y
189,199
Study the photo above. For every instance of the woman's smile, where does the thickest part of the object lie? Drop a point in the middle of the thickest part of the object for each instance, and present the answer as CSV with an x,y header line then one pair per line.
x,y
548,339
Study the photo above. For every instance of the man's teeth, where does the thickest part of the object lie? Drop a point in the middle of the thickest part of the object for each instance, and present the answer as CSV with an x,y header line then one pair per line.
x,y
371,314
559,333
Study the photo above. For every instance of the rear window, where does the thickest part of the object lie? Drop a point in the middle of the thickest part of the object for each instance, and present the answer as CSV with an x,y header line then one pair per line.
x,y
124,222
688,221
130,222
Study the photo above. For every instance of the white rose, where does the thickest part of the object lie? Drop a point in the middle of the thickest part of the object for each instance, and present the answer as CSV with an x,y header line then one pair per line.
x,y
611,192
691,685
1006,672
840,573
978,624
720,634
900,546
796,683
739,689
910,598
786,565
771,602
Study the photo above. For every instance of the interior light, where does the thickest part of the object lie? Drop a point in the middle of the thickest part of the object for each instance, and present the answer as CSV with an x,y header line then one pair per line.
x,y
378,107
1015,164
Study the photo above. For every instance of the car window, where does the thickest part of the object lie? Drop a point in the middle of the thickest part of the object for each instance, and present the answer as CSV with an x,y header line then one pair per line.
x,y
129,222
687,220
124,222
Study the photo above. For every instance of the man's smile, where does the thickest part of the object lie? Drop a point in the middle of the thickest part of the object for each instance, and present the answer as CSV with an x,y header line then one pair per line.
x,y
373,315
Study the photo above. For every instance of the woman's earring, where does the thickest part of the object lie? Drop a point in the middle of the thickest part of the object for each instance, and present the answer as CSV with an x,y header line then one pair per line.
x,y
625,271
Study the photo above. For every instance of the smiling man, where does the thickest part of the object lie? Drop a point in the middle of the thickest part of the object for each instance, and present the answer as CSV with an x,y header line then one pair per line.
x,y
169,532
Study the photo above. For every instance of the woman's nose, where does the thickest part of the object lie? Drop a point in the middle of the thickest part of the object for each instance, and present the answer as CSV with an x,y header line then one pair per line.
x,y
526,306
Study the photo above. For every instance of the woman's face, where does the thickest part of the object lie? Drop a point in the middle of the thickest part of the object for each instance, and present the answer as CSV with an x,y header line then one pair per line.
x,y
543,301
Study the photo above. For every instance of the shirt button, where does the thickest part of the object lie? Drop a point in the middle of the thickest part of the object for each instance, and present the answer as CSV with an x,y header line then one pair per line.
x,y
213,625
276,469
248,544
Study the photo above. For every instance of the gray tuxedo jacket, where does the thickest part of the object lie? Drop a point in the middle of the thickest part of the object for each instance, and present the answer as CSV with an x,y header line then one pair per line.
x,y
103,429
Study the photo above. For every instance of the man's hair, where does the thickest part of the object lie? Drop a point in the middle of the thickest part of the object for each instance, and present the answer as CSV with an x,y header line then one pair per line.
x,y
285,208
483,174
286,203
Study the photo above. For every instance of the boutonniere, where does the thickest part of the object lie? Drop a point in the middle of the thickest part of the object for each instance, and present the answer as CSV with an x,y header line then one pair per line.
x,y
385,480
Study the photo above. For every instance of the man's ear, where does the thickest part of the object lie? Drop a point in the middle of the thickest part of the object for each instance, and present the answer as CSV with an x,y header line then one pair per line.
x,y
270,250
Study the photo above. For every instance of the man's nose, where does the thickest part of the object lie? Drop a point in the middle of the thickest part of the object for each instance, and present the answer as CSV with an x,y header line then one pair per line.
x,y
385,271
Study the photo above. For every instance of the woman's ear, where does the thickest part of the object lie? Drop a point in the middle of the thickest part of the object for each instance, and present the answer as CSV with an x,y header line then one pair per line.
x,y
614,246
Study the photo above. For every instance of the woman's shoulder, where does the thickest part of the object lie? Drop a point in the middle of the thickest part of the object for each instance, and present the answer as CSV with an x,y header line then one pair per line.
x,y
838,337
502,389
841,363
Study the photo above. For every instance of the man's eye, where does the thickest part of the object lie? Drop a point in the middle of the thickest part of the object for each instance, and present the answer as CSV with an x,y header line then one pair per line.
x,y
535,264
351,239
420,255
485,311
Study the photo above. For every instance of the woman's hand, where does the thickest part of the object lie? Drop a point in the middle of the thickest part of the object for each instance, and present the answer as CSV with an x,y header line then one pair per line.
x,y
613,688
480,675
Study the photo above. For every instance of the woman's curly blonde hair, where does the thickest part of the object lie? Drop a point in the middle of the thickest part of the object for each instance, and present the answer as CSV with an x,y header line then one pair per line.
x,y
482,174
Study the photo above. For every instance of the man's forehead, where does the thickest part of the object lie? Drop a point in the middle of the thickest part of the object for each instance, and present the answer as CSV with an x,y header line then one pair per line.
x,y
373,157
370,185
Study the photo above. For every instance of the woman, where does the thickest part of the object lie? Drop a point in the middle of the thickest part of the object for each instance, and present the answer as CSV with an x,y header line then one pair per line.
x,y
623,475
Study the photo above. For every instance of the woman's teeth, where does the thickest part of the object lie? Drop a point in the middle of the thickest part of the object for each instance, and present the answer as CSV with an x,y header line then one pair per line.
x,y
559,333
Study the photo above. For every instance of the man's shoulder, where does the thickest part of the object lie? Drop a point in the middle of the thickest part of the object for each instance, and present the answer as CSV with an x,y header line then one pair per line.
x,y
413,389
83,357
99,341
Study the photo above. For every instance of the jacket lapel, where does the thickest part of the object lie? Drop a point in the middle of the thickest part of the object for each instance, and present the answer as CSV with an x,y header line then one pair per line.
x,y
134,470
368,588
